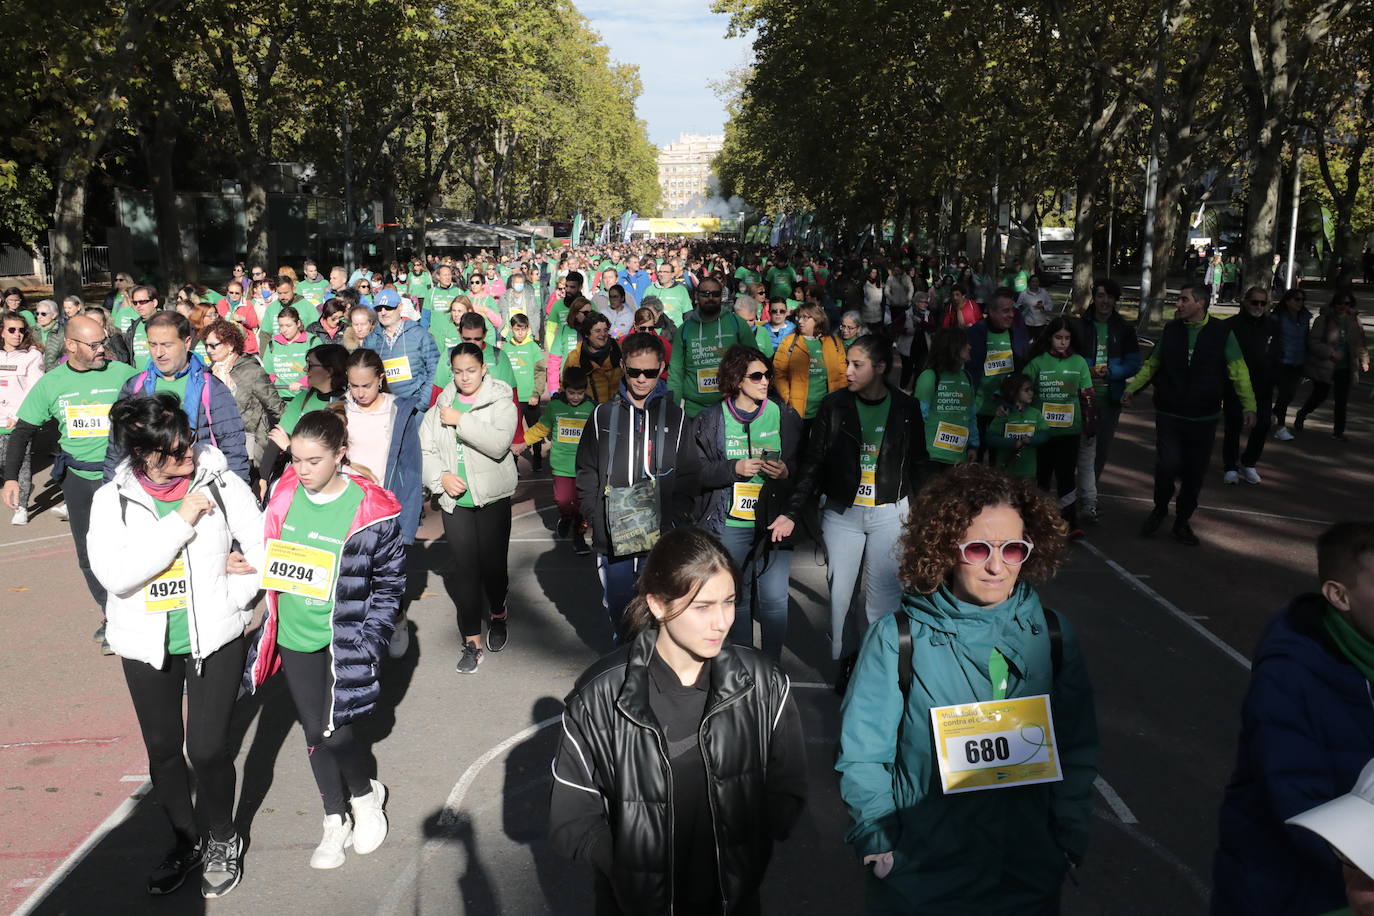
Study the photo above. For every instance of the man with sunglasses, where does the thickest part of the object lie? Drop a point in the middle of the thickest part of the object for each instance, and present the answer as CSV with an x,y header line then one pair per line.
x,y
704,336
644,415
208,403
408,353
146,304
674,298
1254,328
77,394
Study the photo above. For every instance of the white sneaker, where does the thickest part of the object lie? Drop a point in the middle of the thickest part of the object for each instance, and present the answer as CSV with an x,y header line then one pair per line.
x,y
21,517
60,511
400,639
369,819
1283,434
338,834
1230,477
1250,475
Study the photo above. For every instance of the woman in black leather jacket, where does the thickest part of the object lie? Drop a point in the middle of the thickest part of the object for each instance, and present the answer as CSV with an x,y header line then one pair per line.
x,y
681,758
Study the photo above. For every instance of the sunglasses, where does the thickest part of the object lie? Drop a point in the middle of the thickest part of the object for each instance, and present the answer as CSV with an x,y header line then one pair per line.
x,y
176,453
645,327
709,294
759,376
976,553
212,344
385,308
632,372
140,301
14,330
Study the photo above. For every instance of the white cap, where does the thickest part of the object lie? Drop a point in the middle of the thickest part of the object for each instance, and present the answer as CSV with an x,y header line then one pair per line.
x,y
1347,822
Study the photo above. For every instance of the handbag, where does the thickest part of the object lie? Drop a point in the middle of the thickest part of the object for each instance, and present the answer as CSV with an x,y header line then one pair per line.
x,y
634,513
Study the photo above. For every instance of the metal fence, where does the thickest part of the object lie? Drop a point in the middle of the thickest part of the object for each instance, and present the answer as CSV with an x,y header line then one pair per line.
x,y
15,261
95,264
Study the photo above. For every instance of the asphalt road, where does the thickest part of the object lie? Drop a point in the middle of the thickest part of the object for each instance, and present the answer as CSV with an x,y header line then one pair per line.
x,y
1166,629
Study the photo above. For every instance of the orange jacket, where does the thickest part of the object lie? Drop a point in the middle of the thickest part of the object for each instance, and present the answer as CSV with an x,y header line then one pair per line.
x,y
792,366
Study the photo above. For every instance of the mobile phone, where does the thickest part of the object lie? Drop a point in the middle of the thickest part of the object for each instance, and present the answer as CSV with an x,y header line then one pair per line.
x,y
770,454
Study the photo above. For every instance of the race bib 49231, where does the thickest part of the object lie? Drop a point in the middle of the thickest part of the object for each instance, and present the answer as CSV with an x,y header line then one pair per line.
x,y
168,591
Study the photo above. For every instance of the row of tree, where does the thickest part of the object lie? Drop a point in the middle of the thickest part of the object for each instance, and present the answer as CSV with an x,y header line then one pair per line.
x,y
507,109
948,115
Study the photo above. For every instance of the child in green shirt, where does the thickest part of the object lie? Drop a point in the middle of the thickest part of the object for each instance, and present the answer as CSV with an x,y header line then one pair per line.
x,y
564,418
1017,427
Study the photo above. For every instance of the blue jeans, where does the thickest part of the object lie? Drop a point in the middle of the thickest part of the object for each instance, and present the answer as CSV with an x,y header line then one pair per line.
x,y
868,537
618,578
770,575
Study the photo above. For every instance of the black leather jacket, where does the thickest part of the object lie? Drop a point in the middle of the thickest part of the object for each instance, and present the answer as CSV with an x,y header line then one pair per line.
x,y
611,804
830,464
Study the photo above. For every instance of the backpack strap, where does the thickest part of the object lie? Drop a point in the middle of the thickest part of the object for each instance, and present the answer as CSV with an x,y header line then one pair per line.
x,y
1056,631
905,670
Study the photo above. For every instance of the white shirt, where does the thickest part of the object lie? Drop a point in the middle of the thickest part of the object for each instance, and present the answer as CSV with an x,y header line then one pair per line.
x,y
1035,307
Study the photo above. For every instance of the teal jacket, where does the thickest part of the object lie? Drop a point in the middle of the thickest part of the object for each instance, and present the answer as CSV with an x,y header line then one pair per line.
x,y
997,851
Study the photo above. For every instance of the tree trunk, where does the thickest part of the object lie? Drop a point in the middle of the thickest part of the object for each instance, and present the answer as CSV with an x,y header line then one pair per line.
x,y
1262,211
159,152
66,238
254,184
1084,223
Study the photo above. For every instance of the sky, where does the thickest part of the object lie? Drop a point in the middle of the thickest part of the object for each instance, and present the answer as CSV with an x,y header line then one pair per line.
x,y
679,46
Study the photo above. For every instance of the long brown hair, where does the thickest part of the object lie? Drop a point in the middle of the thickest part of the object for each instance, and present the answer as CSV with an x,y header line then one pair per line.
x,y
679,565
26,341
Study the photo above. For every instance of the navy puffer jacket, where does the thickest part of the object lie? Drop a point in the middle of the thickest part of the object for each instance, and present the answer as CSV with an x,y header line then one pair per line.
x,y
367,597
1307,730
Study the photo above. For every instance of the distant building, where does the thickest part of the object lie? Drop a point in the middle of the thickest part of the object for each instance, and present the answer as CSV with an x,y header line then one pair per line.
x,y
684,170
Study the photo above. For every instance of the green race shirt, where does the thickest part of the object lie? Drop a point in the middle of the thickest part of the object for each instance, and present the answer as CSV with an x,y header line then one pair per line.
x,y
1100,358
441,298
949,400
446,337
764,340
872,425
286,364
175,385
139,348
749,441
564,424
461,470
997,365
80,403
817,380
417,285
1018,424
676,300
523,358
702,345
313,290
780,280
1057,384
178,637
307,624
309,400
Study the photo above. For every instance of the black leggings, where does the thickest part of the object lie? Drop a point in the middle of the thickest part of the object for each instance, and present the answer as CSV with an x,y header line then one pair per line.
x,y
337,760
1285,386
210,696
1057,458
1340,387
480,541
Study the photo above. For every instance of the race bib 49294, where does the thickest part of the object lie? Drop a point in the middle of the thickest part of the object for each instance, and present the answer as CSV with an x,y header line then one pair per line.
x,y
298,570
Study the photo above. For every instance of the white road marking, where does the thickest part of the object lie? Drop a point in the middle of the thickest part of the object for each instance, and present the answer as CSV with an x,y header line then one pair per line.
x,y
1114,801
1169,606
1205,509
51,537
1190,877
117,816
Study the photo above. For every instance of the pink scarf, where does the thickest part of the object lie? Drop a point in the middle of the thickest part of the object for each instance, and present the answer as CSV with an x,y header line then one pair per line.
x,y
170,491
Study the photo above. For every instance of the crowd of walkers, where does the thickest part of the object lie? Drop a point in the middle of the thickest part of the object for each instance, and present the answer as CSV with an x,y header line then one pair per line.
x,y
245,473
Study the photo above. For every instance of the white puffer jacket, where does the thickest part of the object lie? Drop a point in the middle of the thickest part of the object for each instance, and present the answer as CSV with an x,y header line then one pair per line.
x,y
129,546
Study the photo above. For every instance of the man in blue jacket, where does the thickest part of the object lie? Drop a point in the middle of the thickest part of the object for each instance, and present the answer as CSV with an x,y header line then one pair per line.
x,y
409,356
1307,730
207,402
1109,344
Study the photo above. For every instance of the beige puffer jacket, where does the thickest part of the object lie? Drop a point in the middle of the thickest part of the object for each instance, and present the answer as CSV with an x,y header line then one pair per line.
x,y
486,432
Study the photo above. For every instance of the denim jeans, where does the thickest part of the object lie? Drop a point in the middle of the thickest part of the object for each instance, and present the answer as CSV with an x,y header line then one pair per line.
x,y
618,579
862,537
769,575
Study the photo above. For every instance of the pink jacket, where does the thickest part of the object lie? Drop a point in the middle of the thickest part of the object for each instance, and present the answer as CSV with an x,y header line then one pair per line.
x,y
20,370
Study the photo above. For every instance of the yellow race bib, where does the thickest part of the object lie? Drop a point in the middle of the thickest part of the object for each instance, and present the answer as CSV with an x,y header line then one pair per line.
x,y
998,362
570,430
168,592
995,744
867,493
706,380
298,570
1022,430
88,421
397,369
950,437
1060,416
744,500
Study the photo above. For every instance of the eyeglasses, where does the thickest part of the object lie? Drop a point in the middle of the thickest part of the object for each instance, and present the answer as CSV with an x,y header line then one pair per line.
x,y
212,344
98,345
309,365
759,376
632,372
976,553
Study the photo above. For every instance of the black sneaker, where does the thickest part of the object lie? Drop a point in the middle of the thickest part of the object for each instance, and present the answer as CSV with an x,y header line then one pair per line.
x,y
223,866
564,526
580,545
1339,437
536,459
1183,533
1152,522
496,634
179,862
469,660
1297,423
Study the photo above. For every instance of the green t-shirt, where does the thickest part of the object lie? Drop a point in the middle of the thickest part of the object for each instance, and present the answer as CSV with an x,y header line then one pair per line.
x,y
440,298
313,291
564,423
675,299
417,285
744,273
80,403
817,379
780,280
307,624
872,426
139,348
286,364
297,407
175,385
307,312
1026,424
997,365
446,337
123,315
523,357
741,441
178,637
1057,384
1100,358
461,470
949,400
702,344
764,340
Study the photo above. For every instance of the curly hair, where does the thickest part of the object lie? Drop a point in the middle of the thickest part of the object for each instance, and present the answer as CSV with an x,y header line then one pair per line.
x,y
947,505
228,332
